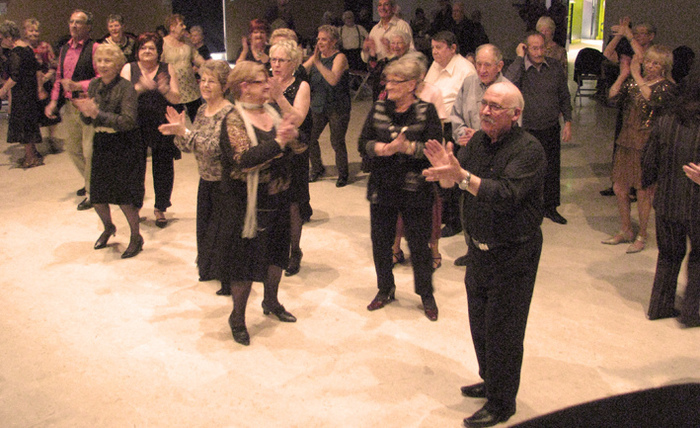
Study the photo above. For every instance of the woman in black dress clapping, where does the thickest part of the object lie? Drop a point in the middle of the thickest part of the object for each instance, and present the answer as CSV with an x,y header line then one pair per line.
x,y
118,161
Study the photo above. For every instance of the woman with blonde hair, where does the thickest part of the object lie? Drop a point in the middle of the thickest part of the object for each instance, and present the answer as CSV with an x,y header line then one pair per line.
x,y
643,96
253,205
292,95
118,159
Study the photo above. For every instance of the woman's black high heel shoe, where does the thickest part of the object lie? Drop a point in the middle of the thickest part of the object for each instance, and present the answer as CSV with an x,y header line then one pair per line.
x,y
101,242
382,299
135,247
294,263
240,333
279,312
225,290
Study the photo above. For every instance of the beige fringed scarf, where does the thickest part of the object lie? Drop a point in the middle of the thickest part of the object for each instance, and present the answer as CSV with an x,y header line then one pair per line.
x,y
250,224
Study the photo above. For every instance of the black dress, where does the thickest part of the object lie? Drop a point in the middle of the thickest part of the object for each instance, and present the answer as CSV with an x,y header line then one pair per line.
x,y
118,159
243,259
23,126
299,188
151,114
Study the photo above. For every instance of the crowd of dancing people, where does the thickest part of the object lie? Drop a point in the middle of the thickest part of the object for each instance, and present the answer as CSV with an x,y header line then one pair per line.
x,y
453,137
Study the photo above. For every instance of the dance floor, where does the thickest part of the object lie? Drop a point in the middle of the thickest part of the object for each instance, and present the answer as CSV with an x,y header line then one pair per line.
x,y
89,339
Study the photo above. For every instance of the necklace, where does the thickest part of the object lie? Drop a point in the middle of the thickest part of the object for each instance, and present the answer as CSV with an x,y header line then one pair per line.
x,y
250,106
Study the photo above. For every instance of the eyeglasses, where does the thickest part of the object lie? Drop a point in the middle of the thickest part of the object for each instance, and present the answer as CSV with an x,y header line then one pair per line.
x,y
396,82
279,60
495,108
257,82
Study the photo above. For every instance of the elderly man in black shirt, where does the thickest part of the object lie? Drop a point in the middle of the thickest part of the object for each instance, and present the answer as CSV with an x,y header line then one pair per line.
x,y
501,172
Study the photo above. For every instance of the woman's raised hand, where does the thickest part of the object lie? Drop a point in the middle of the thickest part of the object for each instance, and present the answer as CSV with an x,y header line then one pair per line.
x,y
176,123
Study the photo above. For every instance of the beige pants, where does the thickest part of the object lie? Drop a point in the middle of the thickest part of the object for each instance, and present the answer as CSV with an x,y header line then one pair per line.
x,y
78,141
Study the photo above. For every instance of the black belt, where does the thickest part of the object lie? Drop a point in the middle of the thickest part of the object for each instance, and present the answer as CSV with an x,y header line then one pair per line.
x,y
487,247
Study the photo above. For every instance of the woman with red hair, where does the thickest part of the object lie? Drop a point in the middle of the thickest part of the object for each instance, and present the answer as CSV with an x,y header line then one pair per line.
x,y
254,46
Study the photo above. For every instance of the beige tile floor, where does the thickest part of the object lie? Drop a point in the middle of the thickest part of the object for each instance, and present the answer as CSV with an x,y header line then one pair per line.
x,y
91,340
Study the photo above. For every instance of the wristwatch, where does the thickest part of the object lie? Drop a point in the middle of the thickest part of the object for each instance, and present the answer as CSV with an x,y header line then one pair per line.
x,y
464,184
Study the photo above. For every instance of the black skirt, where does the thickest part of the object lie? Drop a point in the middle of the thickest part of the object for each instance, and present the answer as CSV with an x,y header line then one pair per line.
x,y
118,169
242,259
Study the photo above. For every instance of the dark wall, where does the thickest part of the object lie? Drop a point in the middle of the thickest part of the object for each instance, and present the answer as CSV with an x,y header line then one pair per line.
x,y
209,14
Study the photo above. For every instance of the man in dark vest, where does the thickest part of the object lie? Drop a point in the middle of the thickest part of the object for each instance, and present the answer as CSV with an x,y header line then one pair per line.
x,y
75,70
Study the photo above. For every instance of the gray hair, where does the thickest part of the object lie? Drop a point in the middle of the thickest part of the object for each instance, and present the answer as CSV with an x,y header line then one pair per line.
x,y
513,94
290,48
545,21
331,30
405,37
495,51
9,29
113,52
218,69
407,67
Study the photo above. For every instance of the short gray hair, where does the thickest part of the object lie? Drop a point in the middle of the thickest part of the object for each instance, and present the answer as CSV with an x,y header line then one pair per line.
x,y
290,48
407,67
9,29
495,51
405,37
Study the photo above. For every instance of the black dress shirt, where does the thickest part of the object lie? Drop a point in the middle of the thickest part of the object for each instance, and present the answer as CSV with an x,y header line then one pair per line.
x,y
508,207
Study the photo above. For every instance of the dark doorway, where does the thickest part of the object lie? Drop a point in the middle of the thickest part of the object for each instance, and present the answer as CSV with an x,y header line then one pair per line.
x,y
209,14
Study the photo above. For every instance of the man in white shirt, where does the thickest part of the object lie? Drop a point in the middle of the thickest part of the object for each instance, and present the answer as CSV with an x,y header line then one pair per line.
x,y
376,46
447,73
449,69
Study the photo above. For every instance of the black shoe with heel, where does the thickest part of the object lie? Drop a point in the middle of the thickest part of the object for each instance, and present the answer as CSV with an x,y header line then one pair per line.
x,y
279,312
430,307
294,263
239,332
110,230
382,299
135,247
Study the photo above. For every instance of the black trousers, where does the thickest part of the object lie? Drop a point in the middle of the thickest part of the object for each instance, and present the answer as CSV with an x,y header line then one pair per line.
x,y
499,285
550,139
338,122
417,227
671,240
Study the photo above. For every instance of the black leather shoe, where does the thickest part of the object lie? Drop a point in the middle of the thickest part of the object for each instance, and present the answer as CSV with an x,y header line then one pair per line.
x,y
607,192
461,260
553,215
239,332
294,263
101,242
279,312
382,299
450,230
485,418
689,321
81,192
225,290
342,182
478,390
430,308
85,205
135,247
316,175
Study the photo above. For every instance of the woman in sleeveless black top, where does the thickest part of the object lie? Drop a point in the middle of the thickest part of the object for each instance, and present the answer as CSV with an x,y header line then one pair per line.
x,y
292,96
156,91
